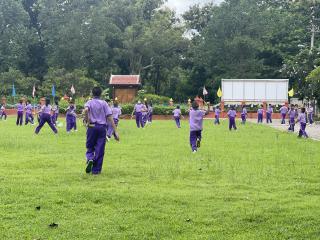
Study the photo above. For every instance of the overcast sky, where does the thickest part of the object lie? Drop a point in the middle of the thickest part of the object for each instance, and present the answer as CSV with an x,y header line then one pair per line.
x,y
182,5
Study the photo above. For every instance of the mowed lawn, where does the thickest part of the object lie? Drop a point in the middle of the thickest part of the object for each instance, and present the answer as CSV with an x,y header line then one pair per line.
x,y
256,183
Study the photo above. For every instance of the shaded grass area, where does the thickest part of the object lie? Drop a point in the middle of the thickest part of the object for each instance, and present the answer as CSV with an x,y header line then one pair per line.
x,y
256,183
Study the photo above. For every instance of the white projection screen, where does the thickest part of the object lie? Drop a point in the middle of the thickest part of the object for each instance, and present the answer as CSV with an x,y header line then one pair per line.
x,y
255,90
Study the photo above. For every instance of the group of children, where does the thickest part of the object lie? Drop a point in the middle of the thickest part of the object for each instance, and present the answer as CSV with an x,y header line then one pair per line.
x,y
143,113
196,116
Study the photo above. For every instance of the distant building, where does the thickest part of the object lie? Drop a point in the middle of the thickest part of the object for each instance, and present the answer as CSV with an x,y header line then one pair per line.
x,y
125,87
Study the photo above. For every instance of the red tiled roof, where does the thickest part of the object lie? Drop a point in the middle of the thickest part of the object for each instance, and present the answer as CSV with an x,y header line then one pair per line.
x,y
124,80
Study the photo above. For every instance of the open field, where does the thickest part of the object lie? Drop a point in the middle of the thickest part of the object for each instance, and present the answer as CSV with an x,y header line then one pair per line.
x,y
256,183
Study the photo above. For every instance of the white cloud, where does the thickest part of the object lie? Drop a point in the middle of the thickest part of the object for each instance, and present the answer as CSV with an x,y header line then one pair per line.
x,y
183,5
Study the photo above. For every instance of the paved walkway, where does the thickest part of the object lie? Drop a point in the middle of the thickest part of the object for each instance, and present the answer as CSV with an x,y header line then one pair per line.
x,y
312,130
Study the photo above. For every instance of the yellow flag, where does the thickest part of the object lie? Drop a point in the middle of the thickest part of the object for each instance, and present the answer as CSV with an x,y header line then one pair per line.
x,y
219,93
291,93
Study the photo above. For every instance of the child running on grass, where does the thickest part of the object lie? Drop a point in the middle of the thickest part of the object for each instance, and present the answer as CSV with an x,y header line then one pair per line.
x,y
3,113
137,111
292,118
29,115
71,117
196,126
232,114
20,108
177,116
97,114
217,113
116,113
45,117
302,118
244,115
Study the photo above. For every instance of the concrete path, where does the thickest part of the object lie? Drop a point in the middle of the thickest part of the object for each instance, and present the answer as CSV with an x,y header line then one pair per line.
x,y
312,130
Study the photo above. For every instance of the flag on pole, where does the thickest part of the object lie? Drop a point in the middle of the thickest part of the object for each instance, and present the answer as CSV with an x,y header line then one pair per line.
x,y
34,91
205,92
73,90
53,91
291,93
13,91
219,93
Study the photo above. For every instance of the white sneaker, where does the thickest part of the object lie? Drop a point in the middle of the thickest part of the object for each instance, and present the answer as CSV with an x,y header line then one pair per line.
x,y
108,139
194,151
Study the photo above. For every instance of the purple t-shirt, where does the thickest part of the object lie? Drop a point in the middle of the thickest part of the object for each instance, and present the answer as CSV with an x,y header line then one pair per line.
x,y
28,108
232,113
71,111
176,113
217,112
260,111
138,107
292,113
244,111
283,110
20,107
302,118
99,110
270,110
46,109
196,119
116,112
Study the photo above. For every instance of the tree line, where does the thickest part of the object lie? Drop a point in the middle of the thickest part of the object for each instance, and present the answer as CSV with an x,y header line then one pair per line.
x,y
83,42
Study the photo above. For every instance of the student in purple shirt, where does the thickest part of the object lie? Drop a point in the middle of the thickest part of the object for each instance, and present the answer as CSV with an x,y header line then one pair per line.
x,y
29,115
20,108
71,117
217,113
269,114
283,111
232,114
302,118
292,116
177,116
116,113
145,113
196,126
260,114
45,117
150,112
244,115
55,112
3,112
137,111
96,115
310,114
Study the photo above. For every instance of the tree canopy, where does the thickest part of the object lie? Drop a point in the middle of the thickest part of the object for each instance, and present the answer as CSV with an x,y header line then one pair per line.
x,y
83,42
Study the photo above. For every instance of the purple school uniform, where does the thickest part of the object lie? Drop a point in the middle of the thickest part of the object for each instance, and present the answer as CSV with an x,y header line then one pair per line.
x,y
217,113
98,113
116,112
29,116
3,113
150,114
55,114
45,117
71,118
310,115
283,111
20,108
177,116
138,108
196,126
292,115
144,114
244,115
260,115
232,119
302,118
269,114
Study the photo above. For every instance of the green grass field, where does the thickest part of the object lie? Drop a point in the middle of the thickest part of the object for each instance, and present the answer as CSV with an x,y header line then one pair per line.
x,y
256,183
